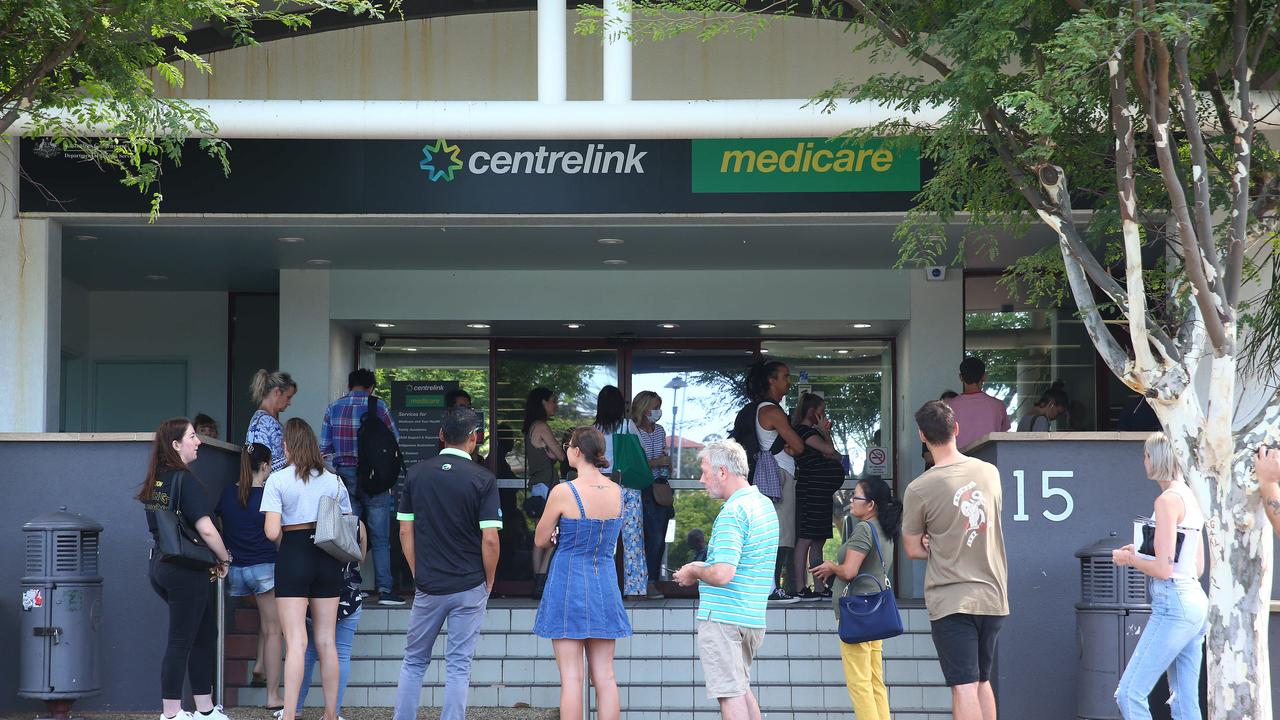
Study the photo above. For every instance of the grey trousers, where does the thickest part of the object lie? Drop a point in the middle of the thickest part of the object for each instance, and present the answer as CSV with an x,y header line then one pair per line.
x,y
465,612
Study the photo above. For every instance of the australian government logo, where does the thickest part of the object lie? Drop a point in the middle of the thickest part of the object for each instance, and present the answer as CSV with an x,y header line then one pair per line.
x,y
444,162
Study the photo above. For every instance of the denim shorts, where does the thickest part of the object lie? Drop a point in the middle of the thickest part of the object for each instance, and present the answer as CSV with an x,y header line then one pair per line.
x,y
251,579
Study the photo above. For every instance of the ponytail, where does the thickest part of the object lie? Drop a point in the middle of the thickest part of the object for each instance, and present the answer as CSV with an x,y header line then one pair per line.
x,y
758,377
264,382
252,457
888,507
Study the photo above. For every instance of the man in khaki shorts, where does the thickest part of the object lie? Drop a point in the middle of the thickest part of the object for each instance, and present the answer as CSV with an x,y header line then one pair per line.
x,y
735,581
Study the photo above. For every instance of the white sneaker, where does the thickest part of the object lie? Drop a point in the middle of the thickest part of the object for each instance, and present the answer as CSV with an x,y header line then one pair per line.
x,y
214,714
182,715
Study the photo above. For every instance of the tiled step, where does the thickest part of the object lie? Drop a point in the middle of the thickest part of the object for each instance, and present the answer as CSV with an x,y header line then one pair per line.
x,y
797,674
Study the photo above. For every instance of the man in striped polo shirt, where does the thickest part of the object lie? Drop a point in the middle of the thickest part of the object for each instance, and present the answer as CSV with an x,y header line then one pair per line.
x,y
735,581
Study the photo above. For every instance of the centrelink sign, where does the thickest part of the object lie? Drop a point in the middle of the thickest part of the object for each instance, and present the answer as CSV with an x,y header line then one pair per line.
x,y
442,160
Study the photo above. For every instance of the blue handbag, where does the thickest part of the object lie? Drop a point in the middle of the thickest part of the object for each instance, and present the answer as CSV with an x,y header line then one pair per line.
x,y
873,616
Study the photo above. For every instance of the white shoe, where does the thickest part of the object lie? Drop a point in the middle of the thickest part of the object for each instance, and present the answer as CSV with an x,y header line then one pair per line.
x,y
182,715
214,714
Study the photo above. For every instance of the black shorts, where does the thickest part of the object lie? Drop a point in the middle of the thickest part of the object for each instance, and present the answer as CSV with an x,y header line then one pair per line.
x,y
966,646
304,570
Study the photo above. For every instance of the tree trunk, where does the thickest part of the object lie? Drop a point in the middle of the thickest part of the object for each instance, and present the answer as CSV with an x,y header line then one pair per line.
x,y
1239,548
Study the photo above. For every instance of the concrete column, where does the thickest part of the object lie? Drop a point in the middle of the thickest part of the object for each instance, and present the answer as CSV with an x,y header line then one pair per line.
x,y
553,53
930,349
30,309
617,52
306,350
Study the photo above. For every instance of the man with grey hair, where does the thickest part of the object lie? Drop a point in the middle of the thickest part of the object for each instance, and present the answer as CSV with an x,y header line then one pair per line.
x,y
735,581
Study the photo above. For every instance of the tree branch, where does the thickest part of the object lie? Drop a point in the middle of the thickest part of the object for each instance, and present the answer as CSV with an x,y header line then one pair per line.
x,y
26,90
1242,149
1220,103
1199,165
899,37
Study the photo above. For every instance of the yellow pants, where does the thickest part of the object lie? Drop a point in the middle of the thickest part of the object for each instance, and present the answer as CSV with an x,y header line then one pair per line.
x,y
864,676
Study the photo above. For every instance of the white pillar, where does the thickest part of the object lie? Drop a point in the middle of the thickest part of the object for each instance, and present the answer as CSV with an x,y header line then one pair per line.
x,y
30,309
553,28
306,350
617,52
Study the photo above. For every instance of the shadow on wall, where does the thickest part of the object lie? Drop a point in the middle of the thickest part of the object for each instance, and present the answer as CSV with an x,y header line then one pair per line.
x,y
99,480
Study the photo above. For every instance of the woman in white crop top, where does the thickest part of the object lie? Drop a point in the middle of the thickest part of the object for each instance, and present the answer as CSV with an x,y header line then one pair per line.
x,y
1179,608
306,576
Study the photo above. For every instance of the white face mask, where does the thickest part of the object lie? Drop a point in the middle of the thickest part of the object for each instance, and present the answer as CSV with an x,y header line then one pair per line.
x,y
654,415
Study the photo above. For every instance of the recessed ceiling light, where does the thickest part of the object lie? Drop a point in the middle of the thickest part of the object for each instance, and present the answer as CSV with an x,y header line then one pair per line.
x,y
85,238
479,326
502,349
669,352
291,239
584,351
764,350
859,326
573,326
843,352
766,326
319,261
384,325
610,241
411,349
157,277
615,262
668,326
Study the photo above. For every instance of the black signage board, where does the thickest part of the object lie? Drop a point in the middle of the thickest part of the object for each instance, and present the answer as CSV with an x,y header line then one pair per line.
x,y
428,176
418,406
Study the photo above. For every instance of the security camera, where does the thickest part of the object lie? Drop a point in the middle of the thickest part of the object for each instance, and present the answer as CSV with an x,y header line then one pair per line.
x,y
373,341
935,273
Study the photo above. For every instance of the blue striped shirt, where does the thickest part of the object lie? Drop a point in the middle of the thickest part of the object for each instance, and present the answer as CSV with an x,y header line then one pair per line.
x,y
745,535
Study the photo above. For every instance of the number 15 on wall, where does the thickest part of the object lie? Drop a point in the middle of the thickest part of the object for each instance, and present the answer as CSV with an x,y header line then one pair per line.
x,y
1047,490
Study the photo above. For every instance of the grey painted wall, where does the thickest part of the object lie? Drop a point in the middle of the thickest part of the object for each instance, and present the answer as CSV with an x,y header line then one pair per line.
x,y
99,480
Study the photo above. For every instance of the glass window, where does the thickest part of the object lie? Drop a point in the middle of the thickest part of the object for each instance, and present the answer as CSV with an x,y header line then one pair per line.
x,y
461,364
1026,349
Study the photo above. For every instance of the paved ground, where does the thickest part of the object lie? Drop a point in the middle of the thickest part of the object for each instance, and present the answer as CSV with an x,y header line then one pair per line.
x,y
352,714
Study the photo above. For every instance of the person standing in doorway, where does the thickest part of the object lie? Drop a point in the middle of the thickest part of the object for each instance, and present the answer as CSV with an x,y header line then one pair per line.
x,y
450,511
977,412
768,383
735,581
339,435
951,518
1040,417
581,610
819,474
611,418
541,453
646,411
273,392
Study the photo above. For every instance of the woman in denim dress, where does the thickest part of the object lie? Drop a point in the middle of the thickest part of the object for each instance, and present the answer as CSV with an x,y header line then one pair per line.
x,y
581,609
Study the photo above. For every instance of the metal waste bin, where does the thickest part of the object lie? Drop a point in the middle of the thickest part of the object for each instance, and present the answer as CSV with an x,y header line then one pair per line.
x,y
61,609
1113,611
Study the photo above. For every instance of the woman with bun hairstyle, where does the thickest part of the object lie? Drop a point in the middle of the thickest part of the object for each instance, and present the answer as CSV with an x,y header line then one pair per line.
x,y
186,590
273,392
1051,404
879,516
581,609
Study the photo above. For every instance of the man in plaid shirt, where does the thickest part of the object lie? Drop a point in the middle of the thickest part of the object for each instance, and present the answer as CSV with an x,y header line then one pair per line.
x,y
338,436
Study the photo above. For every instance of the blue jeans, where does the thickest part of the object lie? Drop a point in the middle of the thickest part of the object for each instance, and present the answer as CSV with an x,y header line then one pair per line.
x,y
655,532
376,513
464,612
1172,641
344,635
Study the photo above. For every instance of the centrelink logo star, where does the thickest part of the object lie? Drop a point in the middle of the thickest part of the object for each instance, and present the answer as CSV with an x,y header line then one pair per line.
x,y
439,161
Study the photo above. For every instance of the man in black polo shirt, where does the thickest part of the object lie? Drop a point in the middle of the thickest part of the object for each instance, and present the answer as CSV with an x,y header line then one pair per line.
x,y
450,509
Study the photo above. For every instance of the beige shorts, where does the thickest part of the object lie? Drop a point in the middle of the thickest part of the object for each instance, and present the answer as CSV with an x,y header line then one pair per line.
x,y
726,652
785,507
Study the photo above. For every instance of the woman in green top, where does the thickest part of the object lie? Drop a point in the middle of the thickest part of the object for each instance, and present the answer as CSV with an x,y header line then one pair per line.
x,y
877,511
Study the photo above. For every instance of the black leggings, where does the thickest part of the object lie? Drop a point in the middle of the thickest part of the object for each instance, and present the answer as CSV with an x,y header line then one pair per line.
x,y
193,630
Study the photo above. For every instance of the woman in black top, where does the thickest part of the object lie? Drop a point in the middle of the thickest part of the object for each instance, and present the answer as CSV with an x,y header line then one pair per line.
x,y
186,590
819,474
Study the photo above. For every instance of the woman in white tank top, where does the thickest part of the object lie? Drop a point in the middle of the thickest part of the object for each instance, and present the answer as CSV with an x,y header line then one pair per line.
x,y
1175,633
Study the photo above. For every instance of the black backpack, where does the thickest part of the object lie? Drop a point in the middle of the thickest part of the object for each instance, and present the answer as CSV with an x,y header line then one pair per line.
x,y
744,432
378,458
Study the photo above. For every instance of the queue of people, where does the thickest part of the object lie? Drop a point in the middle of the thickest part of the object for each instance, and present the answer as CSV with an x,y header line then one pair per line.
x,y
950,517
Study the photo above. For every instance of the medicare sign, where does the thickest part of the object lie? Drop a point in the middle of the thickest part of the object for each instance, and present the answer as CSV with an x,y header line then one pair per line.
x,y
805,165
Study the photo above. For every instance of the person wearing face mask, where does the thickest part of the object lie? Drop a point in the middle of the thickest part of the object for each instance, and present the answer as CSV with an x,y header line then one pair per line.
x,y
646,411
273,391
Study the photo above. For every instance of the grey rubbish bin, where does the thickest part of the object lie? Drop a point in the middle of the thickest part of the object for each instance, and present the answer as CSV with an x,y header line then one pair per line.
x,y
1112,613
61,610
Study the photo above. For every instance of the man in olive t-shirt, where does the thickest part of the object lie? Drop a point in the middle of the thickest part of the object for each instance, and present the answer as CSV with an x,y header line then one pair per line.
x,y
951,517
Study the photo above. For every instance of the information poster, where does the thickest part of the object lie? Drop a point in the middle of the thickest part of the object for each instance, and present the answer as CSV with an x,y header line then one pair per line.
x,y
418,406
